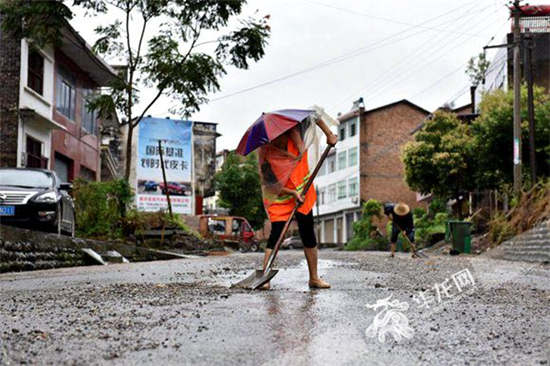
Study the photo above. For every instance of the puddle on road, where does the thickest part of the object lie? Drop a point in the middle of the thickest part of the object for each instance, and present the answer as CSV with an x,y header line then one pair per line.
x,y
302,326
295,278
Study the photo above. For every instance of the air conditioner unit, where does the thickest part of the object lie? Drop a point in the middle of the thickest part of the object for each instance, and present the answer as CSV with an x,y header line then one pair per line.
x,y
355,199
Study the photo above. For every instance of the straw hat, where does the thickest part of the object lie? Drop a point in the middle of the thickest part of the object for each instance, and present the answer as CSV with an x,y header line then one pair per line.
x,y
401,209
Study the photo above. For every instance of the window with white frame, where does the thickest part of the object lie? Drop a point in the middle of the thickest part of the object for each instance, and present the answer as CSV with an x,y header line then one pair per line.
x,y
331,164
352,129
332,193
35,74
341,189
352,187
342,132
322,169
341,160
322,196
352,158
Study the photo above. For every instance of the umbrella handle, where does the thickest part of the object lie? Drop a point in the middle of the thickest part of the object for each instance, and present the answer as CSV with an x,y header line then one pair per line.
x,y
287,223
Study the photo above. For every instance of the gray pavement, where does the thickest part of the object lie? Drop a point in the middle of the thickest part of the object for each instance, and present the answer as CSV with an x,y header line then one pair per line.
x,y
183,312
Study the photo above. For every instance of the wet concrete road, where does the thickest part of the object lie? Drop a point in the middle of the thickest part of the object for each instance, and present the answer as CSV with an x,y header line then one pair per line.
x,y
183,312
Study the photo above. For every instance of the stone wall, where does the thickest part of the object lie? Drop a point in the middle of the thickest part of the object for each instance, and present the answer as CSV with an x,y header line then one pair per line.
x,y
27,250
530,246
10,72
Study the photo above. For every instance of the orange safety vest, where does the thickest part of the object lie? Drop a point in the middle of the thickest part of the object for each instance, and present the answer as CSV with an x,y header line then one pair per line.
x,y
281,208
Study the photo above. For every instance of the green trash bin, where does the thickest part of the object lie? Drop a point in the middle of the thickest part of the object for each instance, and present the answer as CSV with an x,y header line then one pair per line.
x,y
459,234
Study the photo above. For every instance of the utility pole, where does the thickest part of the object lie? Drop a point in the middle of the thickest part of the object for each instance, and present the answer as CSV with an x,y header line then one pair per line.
x,y
516,11
166,191
530,105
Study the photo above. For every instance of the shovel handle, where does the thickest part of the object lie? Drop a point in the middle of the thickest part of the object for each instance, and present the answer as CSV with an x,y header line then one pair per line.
x,y
287,223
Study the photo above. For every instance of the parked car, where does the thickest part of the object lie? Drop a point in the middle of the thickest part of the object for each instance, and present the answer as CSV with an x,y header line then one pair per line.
x,y
233,231
176,188
150,185
292,243
36,198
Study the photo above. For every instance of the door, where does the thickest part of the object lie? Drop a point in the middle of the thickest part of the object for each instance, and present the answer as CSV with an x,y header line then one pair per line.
x,y
63,168
349,226
339,230
247,233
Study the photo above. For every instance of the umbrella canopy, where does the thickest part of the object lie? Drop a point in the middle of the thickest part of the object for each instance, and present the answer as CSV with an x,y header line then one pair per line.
x,y
270,126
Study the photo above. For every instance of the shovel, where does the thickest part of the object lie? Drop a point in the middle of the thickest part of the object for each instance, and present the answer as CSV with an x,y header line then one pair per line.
x,y
413,246
260,277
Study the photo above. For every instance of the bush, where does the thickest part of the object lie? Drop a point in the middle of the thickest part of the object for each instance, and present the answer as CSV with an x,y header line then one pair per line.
x,y
99,207
136,223
500,230
430,226
365,235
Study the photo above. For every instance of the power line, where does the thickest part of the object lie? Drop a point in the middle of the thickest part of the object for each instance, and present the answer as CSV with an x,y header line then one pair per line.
x,y
412,72
337,59
383,76
370,16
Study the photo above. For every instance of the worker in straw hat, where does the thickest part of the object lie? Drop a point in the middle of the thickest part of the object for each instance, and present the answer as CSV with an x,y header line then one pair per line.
x,y
402,221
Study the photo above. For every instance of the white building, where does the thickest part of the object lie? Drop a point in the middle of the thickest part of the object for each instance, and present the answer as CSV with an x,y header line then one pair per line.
x,y
210,204
36,100
337,185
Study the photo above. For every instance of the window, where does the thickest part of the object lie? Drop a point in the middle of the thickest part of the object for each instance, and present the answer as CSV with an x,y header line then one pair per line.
x,y
341,189
87,174
236,227
352,159
65,94
35,76
342,132
341,160
332,193
352,187
88,116
322,196
216,226
352,129
331,164
34,154
323,168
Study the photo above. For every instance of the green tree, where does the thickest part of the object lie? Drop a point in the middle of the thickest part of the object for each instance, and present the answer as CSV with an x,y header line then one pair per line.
x,y
239,185
441,160
493,132
176,61
476,68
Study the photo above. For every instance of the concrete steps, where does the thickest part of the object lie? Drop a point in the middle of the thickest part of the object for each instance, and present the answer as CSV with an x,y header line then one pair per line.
x,y
531,246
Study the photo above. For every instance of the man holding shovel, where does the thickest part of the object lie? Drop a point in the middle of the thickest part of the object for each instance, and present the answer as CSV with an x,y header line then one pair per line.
x,y
284,172
402,222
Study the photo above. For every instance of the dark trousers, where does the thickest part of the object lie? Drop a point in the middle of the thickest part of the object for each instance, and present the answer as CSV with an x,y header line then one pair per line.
x,y
305,227
395,232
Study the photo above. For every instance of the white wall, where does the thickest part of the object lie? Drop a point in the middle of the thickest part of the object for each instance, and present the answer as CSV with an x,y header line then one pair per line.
x,y
322,182
28,98
41,104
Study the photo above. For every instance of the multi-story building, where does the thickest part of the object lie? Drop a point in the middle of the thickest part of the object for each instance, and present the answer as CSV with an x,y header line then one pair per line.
x,y
210,204
44,121
365,164
536,23
205,159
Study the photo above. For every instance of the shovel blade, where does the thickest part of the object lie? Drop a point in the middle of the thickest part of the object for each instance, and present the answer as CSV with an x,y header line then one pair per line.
x,y
256,279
